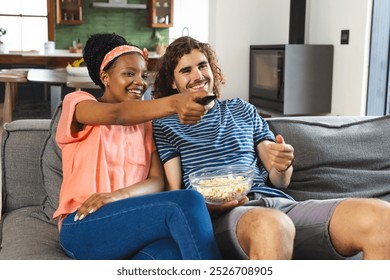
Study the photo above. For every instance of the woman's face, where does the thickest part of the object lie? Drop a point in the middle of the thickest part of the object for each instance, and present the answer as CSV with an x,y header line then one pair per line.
x,y
126,78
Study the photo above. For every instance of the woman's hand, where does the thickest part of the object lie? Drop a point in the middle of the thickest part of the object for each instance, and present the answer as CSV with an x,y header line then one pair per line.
x,y
93,203
187,107
154,183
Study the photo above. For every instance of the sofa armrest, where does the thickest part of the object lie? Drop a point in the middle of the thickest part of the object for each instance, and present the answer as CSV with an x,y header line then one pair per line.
x,y
21,146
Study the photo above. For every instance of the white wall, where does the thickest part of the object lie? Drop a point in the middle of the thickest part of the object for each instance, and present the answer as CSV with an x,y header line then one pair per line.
x,y
234,25
193,14
325,20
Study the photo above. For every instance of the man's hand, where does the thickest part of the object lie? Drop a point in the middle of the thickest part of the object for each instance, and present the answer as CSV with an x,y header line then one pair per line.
x,y
277,157
283,154
217,210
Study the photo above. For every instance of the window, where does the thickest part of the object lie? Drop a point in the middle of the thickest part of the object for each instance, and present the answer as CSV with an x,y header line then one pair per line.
x,y
27,22
378,95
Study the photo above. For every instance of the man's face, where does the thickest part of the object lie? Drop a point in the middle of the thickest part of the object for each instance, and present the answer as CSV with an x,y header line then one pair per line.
x,y
193,73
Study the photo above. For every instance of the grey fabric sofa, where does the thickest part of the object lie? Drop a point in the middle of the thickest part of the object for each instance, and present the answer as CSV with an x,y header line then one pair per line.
x,y
335,157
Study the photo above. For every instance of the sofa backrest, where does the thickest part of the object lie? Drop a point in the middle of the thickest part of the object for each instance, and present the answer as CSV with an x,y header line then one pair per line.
x,y
22,142
338,156
50,163
334,157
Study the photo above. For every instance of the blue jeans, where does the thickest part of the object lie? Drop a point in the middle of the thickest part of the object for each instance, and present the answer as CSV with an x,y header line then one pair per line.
x,y
166,225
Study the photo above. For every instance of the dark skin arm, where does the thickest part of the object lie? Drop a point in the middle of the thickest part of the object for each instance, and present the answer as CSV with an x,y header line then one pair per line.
x,y
128,113
136,112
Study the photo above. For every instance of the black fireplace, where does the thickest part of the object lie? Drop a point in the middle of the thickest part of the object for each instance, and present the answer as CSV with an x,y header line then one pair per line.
x,y
292,79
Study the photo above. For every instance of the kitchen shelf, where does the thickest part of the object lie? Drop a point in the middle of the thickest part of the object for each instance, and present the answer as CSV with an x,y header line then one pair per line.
x,y
118,6
69,12
161,13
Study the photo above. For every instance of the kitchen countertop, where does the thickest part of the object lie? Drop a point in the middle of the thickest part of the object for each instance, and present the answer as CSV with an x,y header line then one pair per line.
x,y
57,53
61,53
59,59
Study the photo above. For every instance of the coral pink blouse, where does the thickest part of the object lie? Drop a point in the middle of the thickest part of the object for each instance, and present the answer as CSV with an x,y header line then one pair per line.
x,y
100,158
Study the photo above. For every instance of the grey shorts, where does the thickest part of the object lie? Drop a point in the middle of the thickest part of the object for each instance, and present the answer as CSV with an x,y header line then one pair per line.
x,y
311,219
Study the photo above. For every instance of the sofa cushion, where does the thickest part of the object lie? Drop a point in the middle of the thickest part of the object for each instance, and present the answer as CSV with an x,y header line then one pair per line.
x,y
338,158
29,238
51,168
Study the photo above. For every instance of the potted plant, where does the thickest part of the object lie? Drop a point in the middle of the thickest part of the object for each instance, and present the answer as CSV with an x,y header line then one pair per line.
x,y
160,45
3,31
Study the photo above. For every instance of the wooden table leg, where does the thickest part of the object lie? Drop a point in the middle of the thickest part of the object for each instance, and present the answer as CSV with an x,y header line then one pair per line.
x,y
11,89
14,91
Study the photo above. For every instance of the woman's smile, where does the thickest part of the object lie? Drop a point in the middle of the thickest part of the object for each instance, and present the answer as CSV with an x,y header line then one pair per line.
x,y
136,91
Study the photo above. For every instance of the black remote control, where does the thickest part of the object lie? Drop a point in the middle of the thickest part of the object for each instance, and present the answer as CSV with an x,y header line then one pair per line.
x,y
207,99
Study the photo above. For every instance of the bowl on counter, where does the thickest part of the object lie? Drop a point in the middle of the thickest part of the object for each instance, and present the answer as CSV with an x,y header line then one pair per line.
x,y
77,71
222,184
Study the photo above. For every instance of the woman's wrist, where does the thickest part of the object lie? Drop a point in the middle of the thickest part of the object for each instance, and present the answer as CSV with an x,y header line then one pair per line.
x,y
172,104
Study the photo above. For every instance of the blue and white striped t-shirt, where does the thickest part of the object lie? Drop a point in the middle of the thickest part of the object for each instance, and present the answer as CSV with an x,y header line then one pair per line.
x,y
227,134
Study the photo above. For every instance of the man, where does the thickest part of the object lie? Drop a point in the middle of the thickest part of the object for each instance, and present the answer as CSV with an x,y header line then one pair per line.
x,y
268,224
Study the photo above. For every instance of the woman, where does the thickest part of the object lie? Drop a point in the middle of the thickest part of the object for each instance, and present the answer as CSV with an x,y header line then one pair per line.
x,y
111,169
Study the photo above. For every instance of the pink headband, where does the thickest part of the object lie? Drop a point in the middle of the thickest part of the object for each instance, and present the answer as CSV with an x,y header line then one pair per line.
x,y
115,52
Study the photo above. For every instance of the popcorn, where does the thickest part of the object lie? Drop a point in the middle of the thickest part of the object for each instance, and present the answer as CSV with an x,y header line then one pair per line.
x,y
223,189
222,184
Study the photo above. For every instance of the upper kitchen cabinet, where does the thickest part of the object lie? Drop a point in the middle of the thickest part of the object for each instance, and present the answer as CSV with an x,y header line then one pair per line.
x,y
69,12
161,13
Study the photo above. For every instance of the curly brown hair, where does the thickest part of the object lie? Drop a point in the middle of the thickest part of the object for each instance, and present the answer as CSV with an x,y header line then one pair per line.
x,y
174,52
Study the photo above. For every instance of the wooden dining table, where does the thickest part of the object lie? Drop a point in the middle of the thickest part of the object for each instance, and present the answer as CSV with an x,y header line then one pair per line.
x,y
57,79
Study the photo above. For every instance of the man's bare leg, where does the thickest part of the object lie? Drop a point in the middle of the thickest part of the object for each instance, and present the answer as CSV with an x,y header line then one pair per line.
x,y
266,234
362,225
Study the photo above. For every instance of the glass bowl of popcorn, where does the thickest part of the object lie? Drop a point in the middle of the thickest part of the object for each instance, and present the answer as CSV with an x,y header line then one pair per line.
x,y
222,184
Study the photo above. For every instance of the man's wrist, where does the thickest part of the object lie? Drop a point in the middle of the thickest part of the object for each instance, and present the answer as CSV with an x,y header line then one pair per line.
x,y
288,167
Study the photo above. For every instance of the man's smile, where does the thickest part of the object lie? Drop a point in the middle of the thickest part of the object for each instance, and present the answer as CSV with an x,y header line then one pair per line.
x,y
199,85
